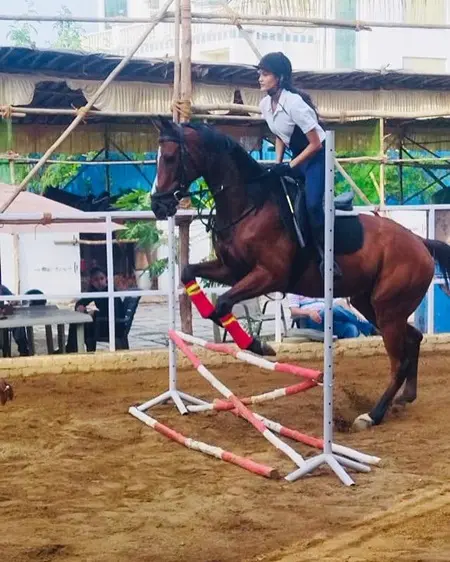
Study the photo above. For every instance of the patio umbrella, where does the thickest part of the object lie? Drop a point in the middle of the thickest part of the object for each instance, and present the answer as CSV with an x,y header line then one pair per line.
x,y
30,203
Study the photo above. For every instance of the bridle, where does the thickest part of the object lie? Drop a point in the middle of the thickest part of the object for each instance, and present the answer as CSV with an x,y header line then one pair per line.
x,y
181,190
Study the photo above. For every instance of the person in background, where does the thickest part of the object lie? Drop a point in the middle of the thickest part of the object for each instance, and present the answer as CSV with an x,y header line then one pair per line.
x,y
19,334
346,324
99,328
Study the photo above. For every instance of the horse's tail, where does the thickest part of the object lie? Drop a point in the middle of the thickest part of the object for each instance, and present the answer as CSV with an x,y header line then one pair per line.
x,y
441,253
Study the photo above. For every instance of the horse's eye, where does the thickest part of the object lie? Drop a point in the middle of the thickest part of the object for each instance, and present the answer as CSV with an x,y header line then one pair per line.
x,y
168,158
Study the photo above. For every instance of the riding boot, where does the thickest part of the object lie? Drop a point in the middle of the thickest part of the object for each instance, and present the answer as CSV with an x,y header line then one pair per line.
x,y
318,237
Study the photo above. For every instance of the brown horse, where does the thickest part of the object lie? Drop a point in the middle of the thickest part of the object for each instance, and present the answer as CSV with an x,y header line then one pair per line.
x,y
386,278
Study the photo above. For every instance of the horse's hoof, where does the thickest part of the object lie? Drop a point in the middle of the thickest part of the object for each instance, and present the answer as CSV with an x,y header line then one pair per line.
x,y
268,350
261,348
404,399
362,422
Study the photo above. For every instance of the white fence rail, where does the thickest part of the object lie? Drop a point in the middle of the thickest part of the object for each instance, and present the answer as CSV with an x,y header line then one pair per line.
x,y
425,227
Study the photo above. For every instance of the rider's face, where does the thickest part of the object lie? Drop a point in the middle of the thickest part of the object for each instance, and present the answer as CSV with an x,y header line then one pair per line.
x,y
267,81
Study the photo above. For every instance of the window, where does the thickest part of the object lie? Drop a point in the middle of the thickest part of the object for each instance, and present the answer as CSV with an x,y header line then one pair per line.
x,y
418,11
425,65
115,8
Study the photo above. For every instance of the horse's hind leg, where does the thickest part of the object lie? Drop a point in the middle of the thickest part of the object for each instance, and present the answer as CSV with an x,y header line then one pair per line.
x,y
395,340
413,341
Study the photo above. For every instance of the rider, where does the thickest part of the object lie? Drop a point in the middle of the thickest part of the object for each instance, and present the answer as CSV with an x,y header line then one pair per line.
x,y
293,119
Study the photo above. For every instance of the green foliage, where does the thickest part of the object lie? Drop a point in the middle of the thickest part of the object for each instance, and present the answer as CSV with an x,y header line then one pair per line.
x,y
145,233
414,180
201,197
69,33
23,33
59,175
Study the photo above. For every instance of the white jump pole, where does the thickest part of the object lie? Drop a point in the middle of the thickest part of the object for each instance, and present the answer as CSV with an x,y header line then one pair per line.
x,y
328,457
179,398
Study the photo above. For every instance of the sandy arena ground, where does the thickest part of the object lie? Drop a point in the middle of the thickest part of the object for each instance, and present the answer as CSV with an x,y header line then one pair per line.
x,y
81,480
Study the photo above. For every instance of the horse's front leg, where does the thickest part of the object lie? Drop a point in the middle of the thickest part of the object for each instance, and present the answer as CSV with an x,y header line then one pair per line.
x,y
258,282
213,270
250,285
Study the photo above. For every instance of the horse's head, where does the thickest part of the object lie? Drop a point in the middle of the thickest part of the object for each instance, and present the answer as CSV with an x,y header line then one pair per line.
x,y
178,165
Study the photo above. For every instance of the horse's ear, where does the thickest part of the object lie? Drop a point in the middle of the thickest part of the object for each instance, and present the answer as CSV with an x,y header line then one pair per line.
x,y
164,124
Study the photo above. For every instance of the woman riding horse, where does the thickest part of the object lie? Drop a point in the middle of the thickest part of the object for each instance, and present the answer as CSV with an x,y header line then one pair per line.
x,y
293,119
386,275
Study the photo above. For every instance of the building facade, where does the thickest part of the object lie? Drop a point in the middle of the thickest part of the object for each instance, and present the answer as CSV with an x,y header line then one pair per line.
x,y
309,48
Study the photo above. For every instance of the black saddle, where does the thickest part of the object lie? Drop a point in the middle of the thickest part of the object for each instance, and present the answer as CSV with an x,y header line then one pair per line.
x,y
348,230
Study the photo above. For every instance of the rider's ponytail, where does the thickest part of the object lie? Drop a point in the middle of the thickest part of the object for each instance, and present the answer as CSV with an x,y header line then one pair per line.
x,y
287,85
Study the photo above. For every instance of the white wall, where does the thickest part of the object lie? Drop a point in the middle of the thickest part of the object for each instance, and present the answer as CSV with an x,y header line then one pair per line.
x,y
52,268
382,46
9,269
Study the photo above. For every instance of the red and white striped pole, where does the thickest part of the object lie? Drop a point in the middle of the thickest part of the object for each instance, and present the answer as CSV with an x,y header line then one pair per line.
x,y
304,372
240,407
211,450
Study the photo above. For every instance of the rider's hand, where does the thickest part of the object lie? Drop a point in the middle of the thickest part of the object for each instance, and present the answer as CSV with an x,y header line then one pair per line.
x,y
281,170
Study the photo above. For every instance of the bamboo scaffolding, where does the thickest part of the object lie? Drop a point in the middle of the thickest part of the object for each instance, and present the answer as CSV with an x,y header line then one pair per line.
x,y
89,105
220,18
382,182
201,112
352,183
344,160
235,20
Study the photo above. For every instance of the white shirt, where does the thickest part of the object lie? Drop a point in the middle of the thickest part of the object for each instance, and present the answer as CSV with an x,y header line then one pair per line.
x,y
299,301
291,110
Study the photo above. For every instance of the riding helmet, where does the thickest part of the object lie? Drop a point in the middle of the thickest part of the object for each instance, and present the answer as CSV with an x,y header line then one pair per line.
x,y
276,63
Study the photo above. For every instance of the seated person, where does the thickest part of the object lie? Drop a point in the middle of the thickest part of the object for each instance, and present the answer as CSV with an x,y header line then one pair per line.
x,y
99,328
346,324
19,334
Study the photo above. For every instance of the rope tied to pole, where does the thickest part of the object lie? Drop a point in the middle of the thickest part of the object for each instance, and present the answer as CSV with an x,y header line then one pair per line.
x,y
183,108
6,111
82,112
46,219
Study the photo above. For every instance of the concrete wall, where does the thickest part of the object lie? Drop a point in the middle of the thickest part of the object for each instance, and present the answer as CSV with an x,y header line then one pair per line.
x,y
45,261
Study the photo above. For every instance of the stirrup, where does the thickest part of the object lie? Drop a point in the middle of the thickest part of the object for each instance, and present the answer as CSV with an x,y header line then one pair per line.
x,y
337,273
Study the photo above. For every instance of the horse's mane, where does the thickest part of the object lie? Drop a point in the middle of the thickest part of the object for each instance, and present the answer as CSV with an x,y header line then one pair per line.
x,y
260,188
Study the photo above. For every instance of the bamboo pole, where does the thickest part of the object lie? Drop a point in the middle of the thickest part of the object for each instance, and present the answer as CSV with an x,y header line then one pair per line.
x,y
444,162
211,17
185,98
88,106
382,183
375,183
177,61
201,110
235,17
352,183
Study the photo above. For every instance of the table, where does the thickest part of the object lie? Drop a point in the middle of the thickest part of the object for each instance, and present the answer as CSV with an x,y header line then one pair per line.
x,y
47,315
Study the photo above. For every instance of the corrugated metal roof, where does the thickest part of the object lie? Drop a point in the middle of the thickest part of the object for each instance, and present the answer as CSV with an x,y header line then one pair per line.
x,y
93,66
